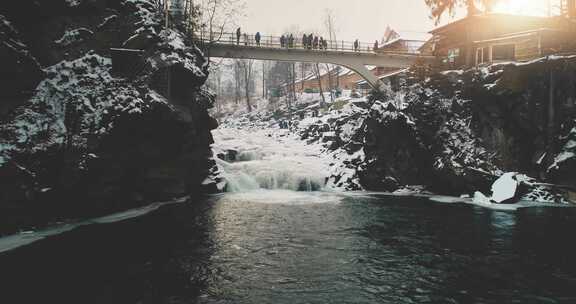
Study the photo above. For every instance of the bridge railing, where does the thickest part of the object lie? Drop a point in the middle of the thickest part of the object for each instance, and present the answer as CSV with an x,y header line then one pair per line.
x,y
267,41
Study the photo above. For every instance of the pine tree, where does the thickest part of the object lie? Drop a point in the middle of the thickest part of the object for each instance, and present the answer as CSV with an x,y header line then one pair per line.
x,y
440,7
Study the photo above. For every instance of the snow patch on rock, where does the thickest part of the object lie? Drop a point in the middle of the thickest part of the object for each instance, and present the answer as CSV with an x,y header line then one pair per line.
x,y
74,36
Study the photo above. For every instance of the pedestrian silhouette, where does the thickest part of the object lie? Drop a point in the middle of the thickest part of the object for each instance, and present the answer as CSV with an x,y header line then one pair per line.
x,y
257,37
238,35
356,43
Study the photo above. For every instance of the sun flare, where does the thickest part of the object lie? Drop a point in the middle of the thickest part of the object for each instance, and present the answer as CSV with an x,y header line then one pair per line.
x,y
525,7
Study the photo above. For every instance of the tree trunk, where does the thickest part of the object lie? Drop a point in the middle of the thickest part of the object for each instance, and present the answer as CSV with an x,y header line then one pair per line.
x,y
247,78
302,74
551,130
330,83
319,82
294,81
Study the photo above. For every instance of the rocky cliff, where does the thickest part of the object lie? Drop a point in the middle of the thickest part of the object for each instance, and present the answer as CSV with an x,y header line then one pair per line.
x,y
455,132
101,110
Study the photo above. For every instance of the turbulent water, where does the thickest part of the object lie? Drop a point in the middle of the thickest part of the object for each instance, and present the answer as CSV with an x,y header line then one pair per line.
x,y
264,242
268,159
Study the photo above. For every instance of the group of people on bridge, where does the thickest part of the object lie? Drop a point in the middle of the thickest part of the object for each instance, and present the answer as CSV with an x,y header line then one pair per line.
x,y
308,42
314,42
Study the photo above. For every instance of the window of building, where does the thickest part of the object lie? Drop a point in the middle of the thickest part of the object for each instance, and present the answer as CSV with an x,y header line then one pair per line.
x,y
479,56
453,54
503,52
482,55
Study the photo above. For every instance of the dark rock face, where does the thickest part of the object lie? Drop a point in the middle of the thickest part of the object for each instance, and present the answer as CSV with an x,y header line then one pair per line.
x,y
394,153
90,142
20,71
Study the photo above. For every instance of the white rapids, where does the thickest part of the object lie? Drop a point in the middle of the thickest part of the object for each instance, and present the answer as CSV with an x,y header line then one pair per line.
x,y
268,159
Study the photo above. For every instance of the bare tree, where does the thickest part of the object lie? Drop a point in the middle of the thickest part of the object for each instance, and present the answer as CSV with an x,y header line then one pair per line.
x,y
293,82
330,27
441,7
217,16
319,78
263,79
237,81
330,23
330,70
246,66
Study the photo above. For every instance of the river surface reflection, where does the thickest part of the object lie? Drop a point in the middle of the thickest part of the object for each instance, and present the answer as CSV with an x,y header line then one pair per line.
x,y
294,247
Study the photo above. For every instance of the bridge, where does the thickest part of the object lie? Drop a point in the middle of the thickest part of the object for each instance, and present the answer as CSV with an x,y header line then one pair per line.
x,y
343,53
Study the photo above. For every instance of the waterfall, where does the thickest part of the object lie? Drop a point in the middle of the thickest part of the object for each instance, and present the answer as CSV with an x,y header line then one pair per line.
x,y
264,160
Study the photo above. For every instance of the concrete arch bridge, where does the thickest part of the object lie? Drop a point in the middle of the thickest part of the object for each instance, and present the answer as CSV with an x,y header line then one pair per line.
x,y
347,54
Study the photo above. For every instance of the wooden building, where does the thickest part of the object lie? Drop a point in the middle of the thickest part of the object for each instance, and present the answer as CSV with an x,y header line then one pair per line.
x,y
401,45
342,79
490,38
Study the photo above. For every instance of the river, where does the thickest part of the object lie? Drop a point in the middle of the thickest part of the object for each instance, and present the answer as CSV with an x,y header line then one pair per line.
x,y
278,245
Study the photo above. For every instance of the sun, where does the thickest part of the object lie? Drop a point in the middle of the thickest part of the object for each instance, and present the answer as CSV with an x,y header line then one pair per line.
x,y
524,7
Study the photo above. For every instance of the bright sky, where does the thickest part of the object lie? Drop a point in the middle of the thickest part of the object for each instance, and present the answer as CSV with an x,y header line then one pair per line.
x,y
362,19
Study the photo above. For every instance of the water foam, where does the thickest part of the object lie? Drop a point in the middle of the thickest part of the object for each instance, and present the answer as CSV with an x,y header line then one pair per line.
x,y
269,159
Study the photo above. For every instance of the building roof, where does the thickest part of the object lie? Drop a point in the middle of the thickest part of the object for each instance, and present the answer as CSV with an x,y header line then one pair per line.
x,y
343,72
383,76
475,18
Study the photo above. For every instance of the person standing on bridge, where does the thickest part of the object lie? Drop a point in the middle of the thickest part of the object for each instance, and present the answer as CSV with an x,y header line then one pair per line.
x,y
291,41
238,35
315,42
282,41
356,43
257,38
321,42
376,46
325,44
310,41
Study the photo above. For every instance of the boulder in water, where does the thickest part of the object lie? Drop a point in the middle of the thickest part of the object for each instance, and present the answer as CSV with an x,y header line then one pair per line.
x,y
512,187
505,188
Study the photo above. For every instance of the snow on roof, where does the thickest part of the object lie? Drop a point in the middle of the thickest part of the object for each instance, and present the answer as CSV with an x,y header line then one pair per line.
x,y
391,42
400,71
323,71
392,73
484,16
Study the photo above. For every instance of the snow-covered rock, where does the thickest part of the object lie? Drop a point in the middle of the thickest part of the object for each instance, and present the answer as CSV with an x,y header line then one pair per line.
x,y
99,142
512,187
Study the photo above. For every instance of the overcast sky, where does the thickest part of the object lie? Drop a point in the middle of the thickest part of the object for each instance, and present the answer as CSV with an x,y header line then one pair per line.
x,y
362,19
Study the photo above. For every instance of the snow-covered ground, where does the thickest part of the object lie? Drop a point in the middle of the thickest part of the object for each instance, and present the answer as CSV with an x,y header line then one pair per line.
x,y
24,238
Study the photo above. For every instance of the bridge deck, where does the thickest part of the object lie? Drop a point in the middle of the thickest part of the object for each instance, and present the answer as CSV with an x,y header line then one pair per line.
x,y
274,42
